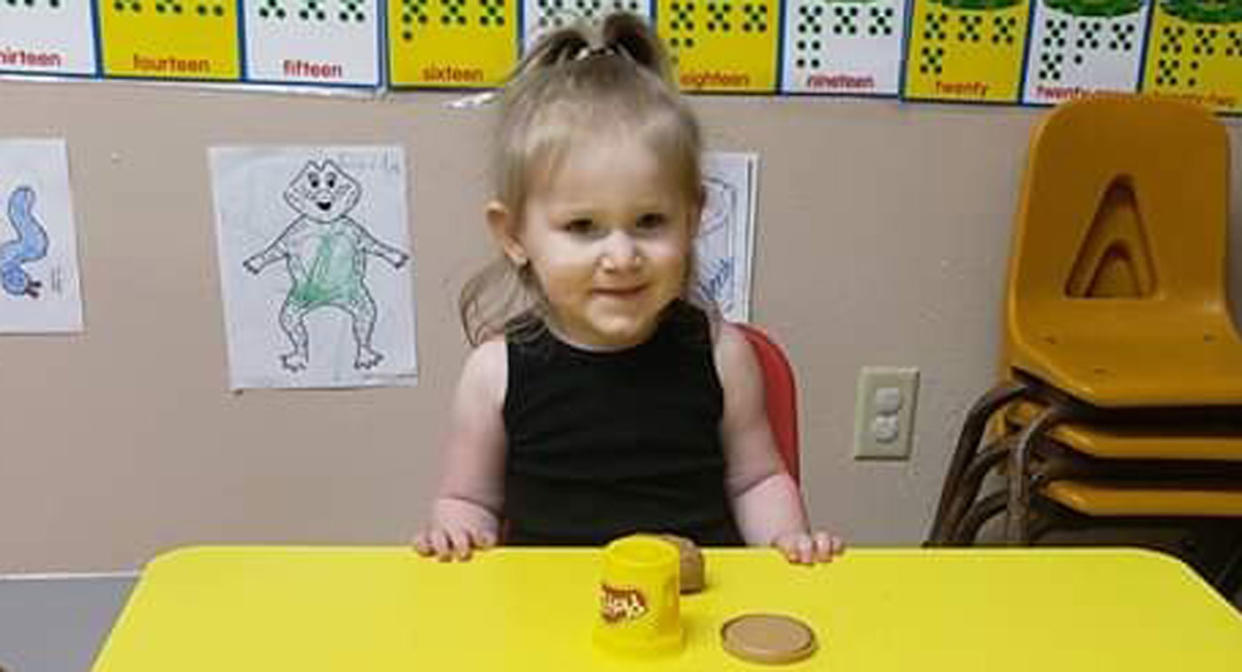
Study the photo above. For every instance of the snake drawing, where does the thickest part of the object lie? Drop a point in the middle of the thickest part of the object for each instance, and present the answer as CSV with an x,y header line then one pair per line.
x,y
30,245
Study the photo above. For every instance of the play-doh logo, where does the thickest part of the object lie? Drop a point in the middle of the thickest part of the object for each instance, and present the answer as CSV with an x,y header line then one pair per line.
x,y
617,605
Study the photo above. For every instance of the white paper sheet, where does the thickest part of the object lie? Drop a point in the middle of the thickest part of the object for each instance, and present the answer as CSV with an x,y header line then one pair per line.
x,y
39,292
726,240
315,263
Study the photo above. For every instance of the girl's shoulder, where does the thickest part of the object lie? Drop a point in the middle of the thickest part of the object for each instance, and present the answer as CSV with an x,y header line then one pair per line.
x,y
737,367
485,374
729,342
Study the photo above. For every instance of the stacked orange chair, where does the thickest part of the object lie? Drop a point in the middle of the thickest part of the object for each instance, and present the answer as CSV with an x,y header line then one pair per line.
x,y
1121,368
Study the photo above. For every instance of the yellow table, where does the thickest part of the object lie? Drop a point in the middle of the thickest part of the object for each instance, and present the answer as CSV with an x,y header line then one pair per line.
x,y
385,609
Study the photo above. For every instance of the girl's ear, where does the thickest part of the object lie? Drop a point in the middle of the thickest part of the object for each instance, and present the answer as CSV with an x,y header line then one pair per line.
x,y
504,228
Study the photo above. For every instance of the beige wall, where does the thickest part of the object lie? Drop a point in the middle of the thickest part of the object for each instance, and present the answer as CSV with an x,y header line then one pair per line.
x,y
883,232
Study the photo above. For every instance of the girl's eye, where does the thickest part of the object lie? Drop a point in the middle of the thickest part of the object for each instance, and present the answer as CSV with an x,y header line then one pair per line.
x,y
331,180
580,226
314,180
652,221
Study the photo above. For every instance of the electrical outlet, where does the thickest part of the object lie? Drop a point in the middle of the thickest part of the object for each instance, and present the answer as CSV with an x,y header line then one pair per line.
x,y
884,412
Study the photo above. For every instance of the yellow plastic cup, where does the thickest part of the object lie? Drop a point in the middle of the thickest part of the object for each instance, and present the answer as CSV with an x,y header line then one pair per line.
x,y
639,597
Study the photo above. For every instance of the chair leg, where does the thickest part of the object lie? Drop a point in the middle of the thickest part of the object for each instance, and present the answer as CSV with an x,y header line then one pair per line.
x,y
967,443
1017,519
971,483
1041,527
983,511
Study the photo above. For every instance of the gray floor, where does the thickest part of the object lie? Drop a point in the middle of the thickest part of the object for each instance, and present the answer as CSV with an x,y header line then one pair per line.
x,y
56,623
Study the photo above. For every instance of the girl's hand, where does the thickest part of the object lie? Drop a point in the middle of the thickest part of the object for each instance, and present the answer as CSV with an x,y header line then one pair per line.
x,y
808,548
456,529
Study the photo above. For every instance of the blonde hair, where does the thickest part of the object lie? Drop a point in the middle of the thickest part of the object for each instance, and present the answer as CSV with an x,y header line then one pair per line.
x,y
574,82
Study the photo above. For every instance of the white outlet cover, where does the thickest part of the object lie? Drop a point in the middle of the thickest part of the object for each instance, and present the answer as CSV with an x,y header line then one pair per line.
x,y
884,412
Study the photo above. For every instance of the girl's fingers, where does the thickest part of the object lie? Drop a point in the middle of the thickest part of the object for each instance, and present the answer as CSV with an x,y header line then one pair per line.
x,y
483,539
787,545
823,547
460,542
809,548
442,545
806,549
422,544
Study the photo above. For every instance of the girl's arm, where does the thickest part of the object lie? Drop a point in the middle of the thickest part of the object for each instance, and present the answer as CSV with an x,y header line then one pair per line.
x,y
766,502
466,512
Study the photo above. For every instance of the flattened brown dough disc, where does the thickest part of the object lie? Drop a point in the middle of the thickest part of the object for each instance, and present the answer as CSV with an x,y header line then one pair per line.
x,y
768,638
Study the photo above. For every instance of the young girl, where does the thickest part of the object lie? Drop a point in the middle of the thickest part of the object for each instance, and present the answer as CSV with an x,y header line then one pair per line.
x,y
599,400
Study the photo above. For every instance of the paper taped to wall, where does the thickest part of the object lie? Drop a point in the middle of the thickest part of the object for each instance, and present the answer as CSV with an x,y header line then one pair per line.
x,y
315,263
38,240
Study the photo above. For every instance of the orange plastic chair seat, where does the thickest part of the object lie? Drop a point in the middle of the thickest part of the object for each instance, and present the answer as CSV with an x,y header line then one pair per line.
x,y
1135,443
1132,499
1093,352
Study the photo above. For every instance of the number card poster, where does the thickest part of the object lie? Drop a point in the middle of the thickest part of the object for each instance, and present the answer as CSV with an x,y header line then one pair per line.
x,y
1196,53
170,39
313,41
52,37
725,46
1080,47
843,47
1034,52
967,50
451,43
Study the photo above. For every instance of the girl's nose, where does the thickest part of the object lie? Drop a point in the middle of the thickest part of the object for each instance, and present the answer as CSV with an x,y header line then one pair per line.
x,y
620,252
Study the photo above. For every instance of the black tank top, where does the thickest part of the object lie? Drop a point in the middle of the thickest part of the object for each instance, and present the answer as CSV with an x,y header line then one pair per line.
x,y
603,444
